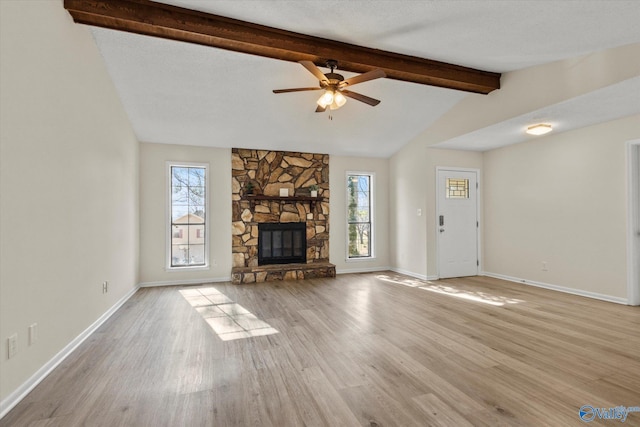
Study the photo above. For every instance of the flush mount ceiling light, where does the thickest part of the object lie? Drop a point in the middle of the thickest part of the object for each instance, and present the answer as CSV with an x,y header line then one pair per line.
x,y
539,129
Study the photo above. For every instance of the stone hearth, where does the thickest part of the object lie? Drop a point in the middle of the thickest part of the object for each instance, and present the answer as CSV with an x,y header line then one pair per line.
x,y
272,273
269,172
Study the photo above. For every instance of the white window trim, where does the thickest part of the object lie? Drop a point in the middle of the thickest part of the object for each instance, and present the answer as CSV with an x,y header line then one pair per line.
x,y
167,233
372,238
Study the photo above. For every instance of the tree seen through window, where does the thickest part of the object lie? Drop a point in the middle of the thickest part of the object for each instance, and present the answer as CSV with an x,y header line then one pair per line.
x,y
359,215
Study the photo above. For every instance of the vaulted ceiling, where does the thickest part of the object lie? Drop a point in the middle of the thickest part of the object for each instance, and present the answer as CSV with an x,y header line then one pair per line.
x,y
184,93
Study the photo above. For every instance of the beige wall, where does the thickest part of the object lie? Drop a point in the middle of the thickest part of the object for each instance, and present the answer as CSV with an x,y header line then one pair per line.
x,y
407,194
338,168
412,169
561,199
413,188
153,211
68,179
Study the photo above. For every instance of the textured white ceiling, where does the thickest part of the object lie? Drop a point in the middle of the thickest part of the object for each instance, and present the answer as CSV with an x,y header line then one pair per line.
x,y
181,93
602,105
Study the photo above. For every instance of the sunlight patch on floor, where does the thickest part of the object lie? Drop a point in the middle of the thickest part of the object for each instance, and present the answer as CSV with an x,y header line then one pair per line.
x,y
406,281
476,296
229,320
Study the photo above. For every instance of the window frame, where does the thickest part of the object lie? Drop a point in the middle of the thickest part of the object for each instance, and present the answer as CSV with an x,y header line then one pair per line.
x,y
372,187
168,219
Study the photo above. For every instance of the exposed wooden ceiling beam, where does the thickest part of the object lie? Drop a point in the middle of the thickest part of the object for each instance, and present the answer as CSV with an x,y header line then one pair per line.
x,y
171,22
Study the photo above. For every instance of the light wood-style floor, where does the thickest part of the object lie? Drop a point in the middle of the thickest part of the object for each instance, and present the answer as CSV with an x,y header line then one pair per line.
x,y
377,349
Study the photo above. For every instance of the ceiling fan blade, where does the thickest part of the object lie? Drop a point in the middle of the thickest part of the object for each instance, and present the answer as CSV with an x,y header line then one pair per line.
x,y
359,97
297,89
369,75
321,109
314,70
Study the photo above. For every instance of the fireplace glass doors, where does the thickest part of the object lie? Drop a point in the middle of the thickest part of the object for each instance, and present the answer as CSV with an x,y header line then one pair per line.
x,y
282,243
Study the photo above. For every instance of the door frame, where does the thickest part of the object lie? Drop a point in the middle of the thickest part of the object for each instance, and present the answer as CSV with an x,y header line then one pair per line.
x,y
478,217
633,221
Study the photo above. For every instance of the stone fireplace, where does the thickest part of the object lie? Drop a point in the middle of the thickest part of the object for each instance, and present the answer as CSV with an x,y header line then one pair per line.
x,y
271,174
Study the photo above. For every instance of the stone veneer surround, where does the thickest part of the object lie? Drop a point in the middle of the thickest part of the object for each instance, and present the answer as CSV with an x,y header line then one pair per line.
x,y
269,171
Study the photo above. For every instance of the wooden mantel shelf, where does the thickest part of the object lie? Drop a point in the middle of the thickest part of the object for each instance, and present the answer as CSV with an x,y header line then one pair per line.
x,y
290,198
258,197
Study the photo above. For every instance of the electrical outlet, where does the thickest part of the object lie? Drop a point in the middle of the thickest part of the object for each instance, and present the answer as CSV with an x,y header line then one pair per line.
x,y
544,266
12,345
105,287
419,212
33,333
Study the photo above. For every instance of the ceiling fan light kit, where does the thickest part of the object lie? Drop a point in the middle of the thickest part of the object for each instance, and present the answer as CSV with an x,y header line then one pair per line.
x,y
335,95
339,99
331,99
326,99
539,129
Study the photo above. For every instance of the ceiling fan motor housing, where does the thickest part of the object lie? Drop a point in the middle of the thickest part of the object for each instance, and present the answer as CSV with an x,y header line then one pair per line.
x,y
334,78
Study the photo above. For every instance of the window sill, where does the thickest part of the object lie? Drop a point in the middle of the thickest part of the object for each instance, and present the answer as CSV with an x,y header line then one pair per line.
x,y
370,258
194,268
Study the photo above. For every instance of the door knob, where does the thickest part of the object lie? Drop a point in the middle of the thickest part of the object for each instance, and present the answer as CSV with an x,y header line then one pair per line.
x,y
442,230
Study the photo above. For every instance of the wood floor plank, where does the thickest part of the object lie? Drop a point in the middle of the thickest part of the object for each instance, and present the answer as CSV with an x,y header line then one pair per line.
x,y
439,413
374,349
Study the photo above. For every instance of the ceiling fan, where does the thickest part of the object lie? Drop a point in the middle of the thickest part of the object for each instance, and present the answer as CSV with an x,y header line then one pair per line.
x,y
334,86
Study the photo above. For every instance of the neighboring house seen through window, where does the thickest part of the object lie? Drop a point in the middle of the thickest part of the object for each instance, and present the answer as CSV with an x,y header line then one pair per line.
x,y
188,247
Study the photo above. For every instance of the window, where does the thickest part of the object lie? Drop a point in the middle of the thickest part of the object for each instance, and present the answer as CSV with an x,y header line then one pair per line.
x,y
359,216
188,201
457,188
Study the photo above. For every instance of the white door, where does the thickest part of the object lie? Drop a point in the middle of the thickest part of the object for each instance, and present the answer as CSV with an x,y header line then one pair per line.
x,y
457,223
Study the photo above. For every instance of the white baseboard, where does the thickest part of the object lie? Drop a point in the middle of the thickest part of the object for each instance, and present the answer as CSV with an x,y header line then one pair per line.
x,y
184,282
564,289
361,270
18,394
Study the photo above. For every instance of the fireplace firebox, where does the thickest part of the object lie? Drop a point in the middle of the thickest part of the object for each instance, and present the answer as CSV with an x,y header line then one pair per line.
x,y
282,243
